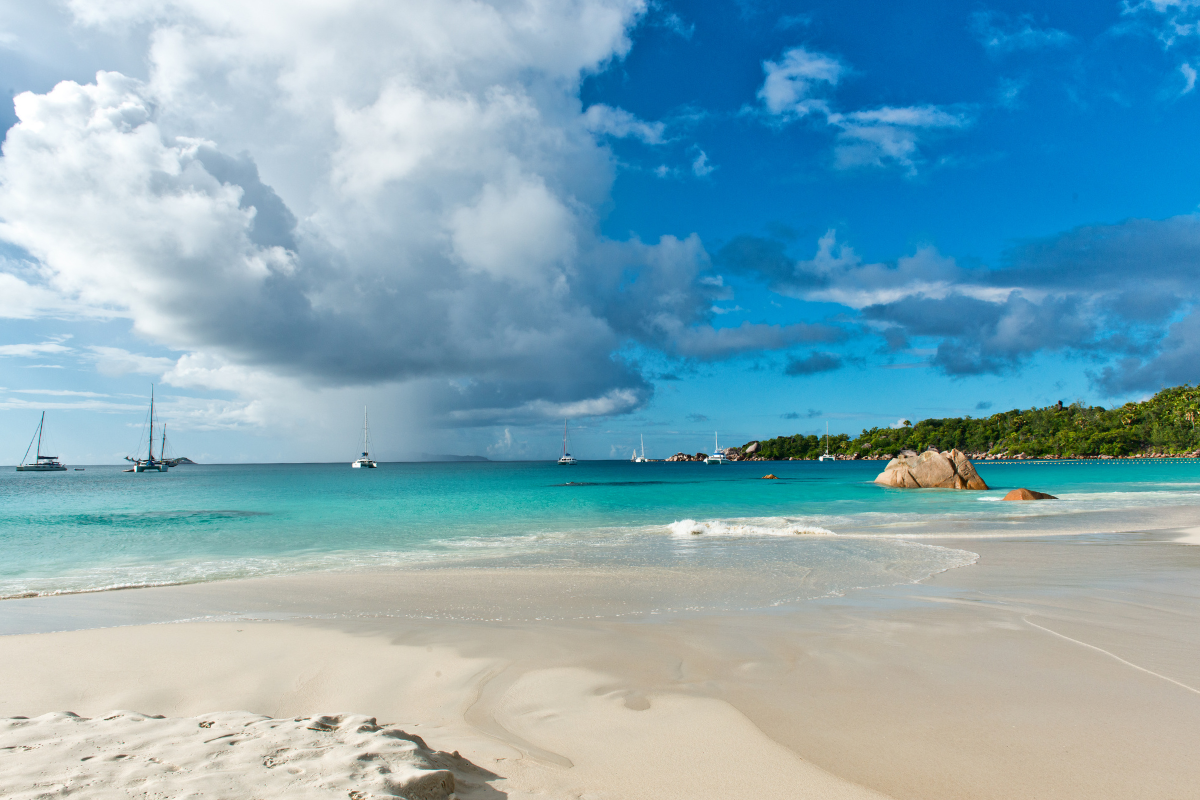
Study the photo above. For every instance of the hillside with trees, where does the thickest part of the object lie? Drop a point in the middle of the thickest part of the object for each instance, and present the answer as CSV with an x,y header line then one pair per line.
x,y
1164,424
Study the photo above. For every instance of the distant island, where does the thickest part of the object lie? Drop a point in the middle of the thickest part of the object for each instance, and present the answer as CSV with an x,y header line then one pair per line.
x,y
1161,426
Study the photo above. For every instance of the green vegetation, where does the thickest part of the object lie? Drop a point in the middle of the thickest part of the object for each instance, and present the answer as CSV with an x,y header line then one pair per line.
x,y
1166,423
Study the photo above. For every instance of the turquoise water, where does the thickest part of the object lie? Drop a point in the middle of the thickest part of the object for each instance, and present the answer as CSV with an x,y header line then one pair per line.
x,y
104,528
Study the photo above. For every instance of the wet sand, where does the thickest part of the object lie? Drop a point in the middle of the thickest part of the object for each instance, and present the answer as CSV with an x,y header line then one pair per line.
x,y
1064,667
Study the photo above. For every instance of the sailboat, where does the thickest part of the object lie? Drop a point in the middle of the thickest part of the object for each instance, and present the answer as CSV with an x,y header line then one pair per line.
x,y
365,462
567,459
718,455
150,463
642,458
41,463
826,456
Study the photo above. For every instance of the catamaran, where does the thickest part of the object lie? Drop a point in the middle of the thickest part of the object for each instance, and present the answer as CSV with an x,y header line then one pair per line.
x,y
41,463
567,459
365,462
718,455
826,456
642,458
150,463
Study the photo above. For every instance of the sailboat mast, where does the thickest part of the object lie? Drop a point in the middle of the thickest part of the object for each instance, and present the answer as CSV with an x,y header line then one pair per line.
x,y
40,424
366,447
564,437
150,444
162,450
643,446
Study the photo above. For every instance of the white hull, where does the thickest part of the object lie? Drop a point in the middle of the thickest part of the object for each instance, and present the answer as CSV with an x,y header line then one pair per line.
x,y
567,461
158,467
364,463
714,459
41,468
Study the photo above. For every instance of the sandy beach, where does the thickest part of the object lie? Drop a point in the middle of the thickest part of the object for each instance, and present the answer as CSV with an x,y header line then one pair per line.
x,y
1060,667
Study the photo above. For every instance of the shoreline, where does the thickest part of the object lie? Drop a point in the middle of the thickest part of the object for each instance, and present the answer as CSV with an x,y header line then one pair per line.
x,y
1010,677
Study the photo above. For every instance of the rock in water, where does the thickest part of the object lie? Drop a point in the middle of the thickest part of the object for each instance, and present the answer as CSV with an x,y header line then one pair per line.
x,y
770,477
931,470
1028,494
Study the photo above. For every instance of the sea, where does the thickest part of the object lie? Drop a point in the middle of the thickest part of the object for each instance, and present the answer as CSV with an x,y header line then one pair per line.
x,y
101,528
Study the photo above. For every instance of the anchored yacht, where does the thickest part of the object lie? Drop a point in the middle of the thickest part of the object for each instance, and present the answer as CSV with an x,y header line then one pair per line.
x,y
40,463
150,463
364,461
567,459
718,455
826,456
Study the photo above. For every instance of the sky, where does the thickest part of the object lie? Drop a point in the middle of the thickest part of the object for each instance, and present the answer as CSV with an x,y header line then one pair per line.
x,y
650,219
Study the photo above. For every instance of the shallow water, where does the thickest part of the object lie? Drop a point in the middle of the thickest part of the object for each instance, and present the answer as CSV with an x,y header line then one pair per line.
x,y
104,528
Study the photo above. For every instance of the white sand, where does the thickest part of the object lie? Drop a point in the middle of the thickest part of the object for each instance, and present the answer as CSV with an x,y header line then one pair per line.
x,y
231,754
1190,536
1051,669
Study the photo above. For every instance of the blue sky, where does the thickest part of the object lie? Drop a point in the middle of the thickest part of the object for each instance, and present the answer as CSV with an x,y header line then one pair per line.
x,y
662,219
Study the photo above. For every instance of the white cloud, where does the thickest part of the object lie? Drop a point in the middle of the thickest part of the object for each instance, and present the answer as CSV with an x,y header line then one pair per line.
x,y
1189,77
884,136
618,122
352,194
1000,33
701,168
30,350
879,137
114,361
792,83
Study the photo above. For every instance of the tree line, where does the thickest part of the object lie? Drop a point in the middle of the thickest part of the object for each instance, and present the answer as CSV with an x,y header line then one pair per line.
x,y
1166,423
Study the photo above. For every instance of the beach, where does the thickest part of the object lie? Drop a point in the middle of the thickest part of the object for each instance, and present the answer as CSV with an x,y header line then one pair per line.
x,y
1059,666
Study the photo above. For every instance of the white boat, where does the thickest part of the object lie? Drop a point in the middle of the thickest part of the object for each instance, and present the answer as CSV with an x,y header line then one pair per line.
x,y
718,455
150,463
364,461
826,456
642,458
40,463
567,459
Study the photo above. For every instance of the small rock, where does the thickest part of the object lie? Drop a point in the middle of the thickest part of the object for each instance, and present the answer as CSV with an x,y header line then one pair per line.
x,y
1028,494
770,477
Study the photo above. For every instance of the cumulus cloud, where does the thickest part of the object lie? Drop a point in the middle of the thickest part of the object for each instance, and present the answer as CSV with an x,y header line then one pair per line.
x,y
361,194
797,87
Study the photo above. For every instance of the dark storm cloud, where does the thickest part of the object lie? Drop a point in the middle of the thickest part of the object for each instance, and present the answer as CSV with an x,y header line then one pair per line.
x,y
812,364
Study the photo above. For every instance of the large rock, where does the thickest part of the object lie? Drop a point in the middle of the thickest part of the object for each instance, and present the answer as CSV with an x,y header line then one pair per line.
x,y
1028,494
752,448
931,470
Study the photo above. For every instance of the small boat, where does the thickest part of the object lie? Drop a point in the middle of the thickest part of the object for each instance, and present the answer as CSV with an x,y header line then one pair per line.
x,y
150,463
826,456
364,461
718,455
567,459
642,458
40,463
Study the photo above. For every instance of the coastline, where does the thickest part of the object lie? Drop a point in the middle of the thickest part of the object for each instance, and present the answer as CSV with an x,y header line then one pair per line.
x,y
1057,667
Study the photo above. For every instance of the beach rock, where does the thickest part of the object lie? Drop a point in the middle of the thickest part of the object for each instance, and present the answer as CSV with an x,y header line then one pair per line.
x,y
1028,494
931,470
770,477
752,448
